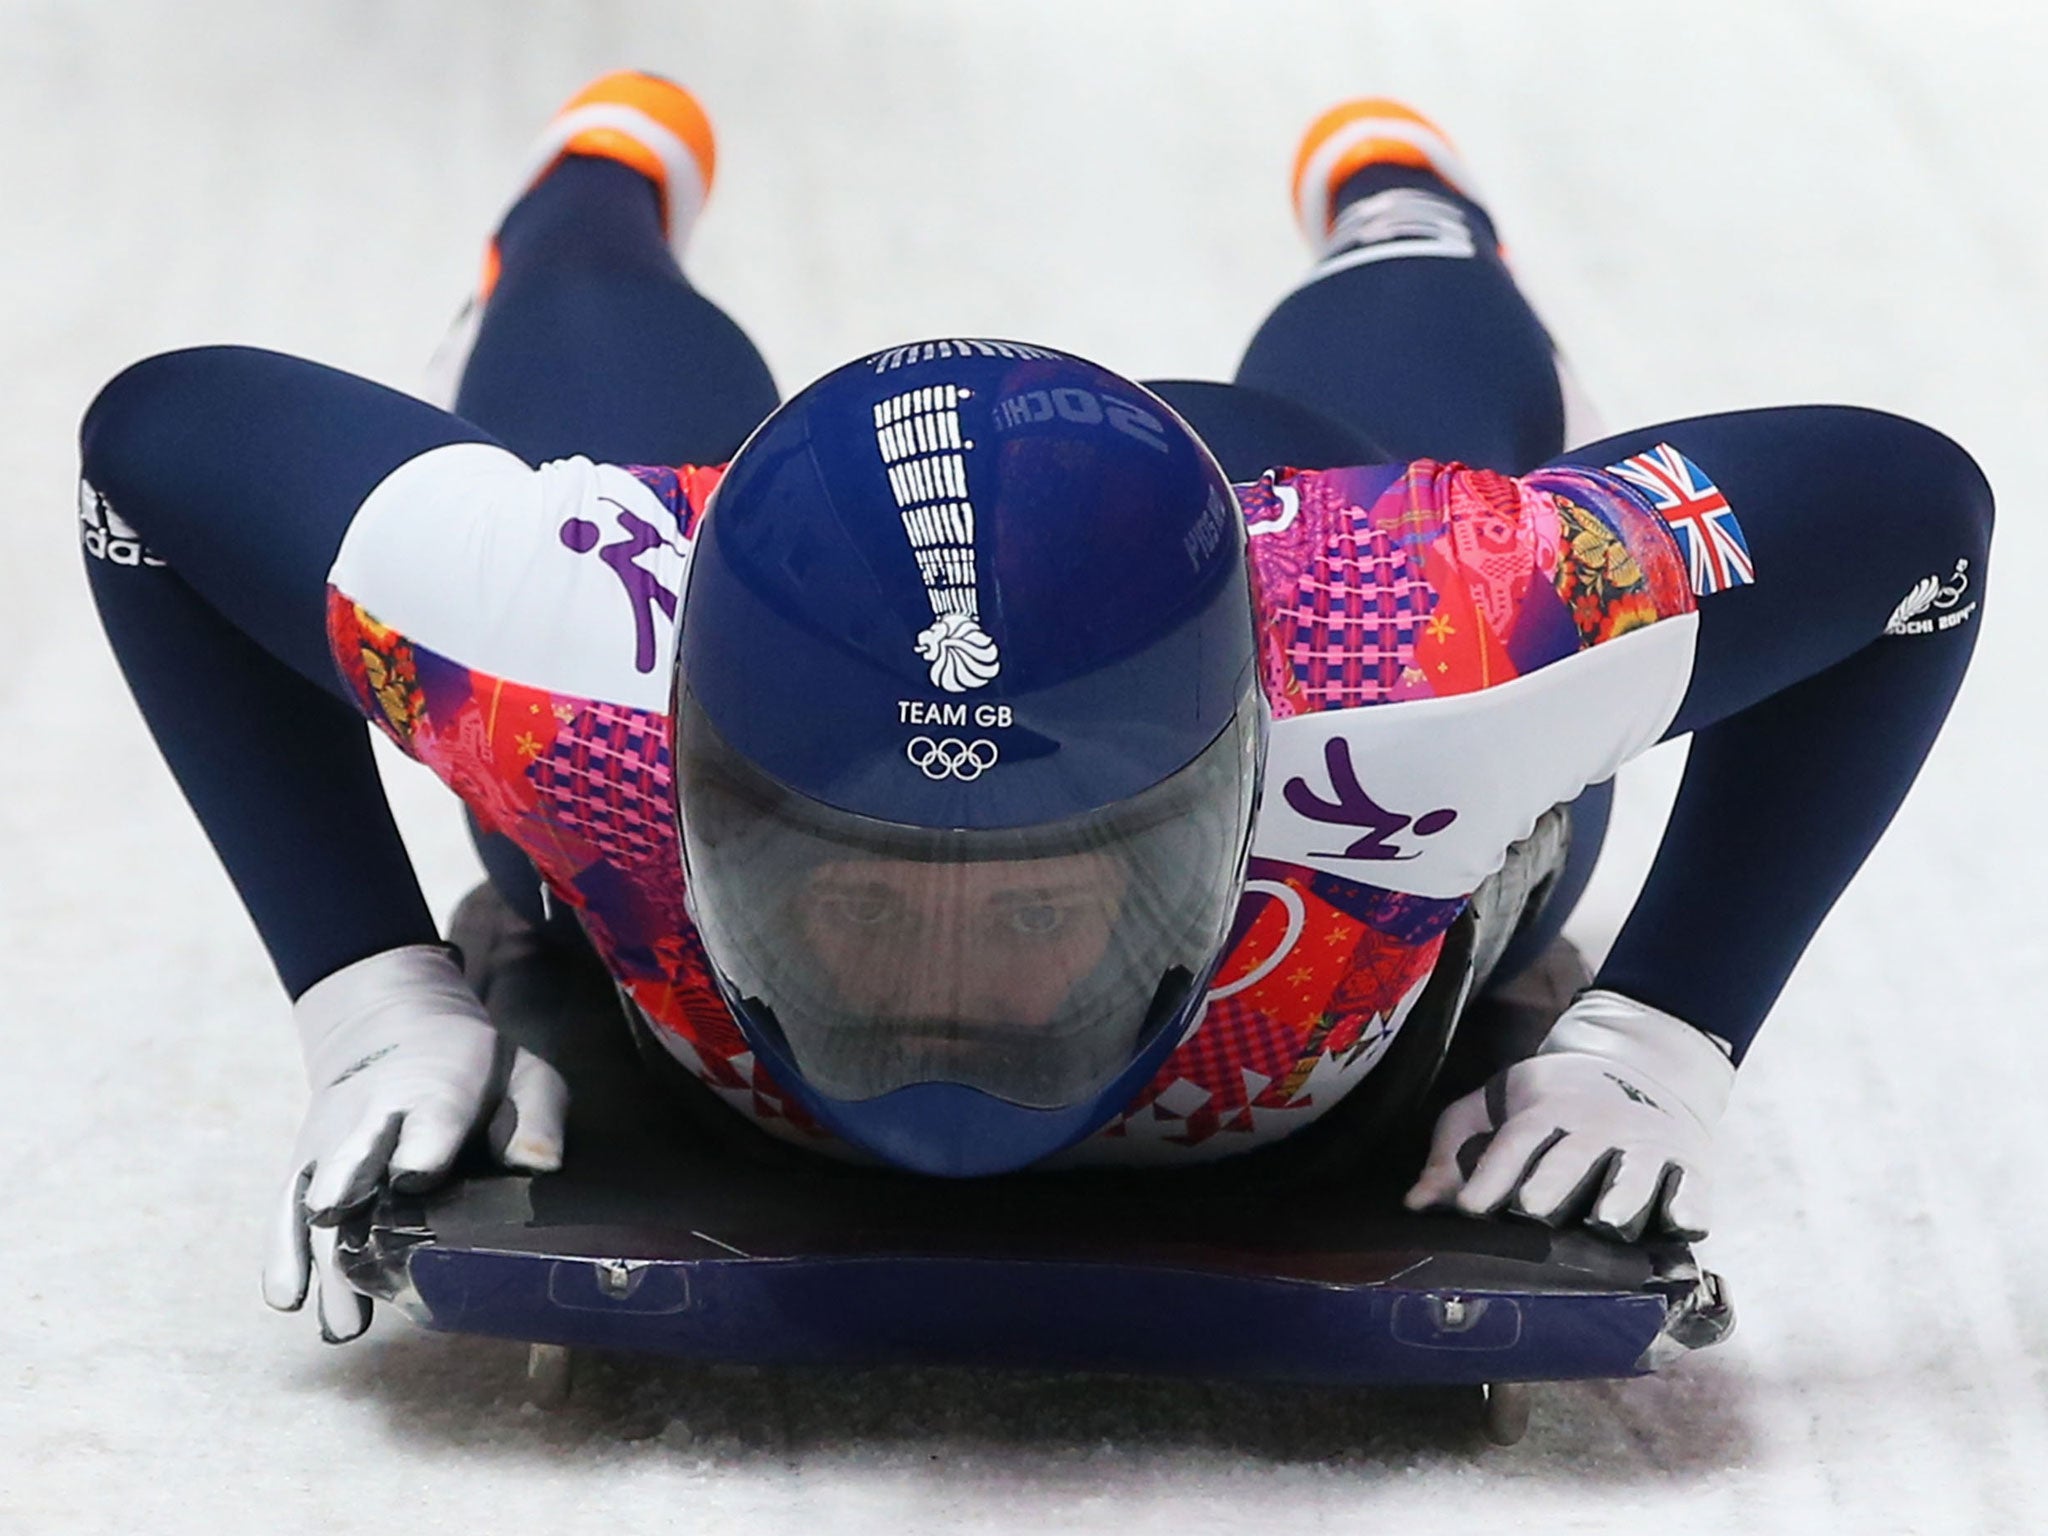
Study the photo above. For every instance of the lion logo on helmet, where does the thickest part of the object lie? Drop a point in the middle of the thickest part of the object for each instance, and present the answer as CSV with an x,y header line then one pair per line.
x,y
961,654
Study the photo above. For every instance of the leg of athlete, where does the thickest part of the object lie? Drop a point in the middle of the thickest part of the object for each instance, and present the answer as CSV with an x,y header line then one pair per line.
x,y
592,341
1410,328
217,486
1817,689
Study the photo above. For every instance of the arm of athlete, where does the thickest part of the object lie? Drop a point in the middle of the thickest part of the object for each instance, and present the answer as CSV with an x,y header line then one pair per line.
x,y
218,485
1816,691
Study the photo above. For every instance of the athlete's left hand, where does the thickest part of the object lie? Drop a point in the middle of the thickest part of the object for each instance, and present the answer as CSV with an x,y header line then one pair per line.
x,y
1610,1123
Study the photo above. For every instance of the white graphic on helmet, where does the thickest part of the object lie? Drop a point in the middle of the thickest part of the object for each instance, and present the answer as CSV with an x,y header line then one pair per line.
x,y
936,351
962,657
950,757
918,433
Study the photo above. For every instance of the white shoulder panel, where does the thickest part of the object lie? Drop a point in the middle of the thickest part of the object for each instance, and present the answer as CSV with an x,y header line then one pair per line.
x,y
1426,795
566,578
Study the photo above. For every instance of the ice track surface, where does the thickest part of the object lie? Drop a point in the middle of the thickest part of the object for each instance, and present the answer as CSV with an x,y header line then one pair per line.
x,y
1715,206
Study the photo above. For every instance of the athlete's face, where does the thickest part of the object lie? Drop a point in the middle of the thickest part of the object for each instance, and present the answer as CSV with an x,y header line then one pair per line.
x,y
999,943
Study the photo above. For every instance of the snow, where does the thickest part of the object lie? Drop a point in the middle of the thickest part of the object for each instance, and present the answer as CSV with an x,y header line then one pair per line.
x,y
1714,206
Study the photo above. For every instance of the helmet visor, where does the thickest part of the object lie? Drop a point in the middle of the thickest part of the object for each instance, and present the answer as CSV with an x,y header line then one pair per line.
x,y
1032,964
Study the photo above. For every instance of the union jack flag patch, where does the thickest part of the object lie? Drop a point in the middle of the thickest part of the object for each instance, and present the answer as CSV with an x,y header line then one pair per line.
x,y
1716,553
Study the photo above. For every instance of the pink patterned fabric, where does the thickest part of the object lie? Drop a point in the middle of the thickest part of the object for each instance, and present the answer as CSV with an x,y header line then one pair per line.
x,y
1373,586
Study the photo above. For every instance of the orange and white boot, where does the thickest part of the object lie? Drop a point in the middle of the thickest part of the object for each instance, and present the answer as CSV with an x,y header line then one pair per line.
x,y
1356,134
640,120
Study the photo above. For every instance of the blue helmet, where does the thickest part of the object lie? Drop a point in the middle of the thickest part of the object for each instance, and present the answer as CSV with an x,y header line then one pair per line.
x,y
967,741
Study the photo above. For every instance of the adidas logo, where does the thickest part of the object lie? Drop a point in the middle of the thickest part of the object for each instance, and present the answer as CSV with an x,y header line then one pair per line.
x,y
103,533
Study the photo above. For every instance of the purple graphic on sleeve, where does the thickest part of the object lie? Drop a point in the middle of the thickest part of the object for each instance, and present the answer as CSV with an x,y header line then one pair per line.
x,y
643,588
1352,806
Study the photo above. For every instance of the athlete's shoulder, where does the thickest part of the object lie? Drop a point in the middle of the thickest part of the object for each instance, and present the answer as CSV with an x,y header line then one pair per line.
x,y
566,577
1669,519
1438,649
1398,582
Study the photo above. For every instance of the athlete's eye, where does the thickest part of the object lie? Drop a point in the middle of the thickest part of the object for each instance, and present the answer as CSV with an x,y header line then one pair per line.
x,y
1037,919
866,907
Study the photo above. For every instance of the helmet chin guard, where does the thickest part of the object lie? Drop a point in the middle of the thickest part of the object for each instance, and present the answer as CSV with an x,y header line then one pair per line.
x,y
967,738
955,1131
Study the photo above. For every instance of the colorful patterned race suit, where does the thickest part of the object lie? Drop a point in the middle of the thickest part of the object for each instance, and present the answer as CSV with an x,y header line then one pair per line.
x,y
1446,652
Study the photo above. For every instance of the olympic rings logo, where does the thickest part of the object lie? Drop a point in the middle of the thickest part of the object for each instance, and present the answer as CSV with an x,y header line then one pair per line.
x,y
951,758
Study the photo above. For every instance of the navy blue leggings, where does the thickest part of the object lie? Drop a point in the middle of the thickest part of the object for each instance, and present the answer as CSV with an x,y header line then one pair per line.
x,y
239,470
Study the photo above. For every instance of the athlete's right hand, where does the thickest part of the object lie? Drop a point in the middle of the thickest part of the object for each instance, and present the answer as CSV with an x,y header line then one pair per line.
x,y
404,1064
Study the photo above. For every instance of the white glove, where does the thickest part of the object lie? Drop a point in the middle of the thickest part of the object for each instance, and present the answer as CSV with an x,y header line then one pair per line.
x,y
1610,1122
403,1064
